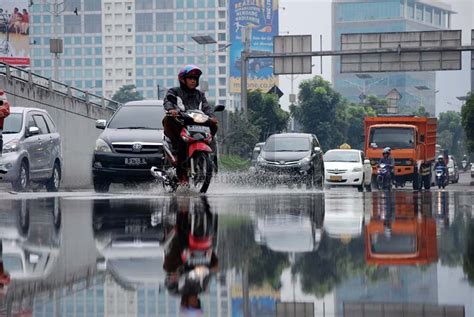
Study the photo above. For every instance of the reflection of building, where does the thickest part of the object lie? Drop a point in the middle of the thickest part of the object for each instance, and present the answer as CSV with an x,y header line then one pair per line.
x,y
368,16
115,43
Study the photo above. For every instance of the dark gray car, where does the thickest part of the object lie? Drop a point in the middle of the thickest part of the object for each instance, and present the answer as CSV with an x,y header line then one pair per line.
x,y
130,145
292,158
31,149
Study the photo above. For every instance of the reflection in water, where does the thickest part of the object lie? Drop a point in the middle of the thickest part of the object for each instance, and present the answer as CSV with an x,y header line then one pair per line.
x,y
262,254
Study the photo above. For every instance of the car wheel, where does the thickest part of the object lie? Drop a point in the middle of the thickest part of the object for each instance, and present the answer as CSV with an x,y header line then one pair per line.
x,y
55,181
360,188
101,185
22,183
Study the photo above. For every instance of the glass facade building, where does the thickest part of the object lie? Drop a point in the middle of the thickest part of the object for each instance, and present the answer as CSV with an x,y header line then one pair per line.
x,y
355,16
143,42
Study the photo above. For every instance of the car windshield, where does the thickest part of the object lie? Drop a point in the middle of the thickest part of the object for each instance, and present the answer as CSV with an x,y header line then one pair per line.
x,y
138,117
401,138
287,144
395,244
12,263
13,123
342,156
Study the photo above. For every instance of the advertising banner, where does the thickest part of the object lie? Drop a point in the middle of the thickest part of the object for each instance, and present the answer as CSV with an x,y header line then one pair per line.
x,y
261,16
14,32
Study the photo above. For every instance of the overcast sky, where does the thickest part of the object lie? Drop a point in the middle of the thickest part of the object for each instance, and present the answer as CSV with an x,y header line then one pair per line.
x,y
314,17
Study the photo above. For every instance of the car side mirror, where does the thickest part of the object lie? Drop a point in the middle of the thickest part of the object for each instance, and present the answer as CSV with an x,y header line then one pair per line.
x,y
317,149
33,131
367,162
219,108
100,124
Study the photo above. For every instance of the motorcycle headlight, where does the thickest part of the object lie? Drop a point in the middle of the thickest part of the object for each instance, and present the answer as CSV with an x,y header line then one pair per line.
x,y
102,146
11,146
357,169
199,117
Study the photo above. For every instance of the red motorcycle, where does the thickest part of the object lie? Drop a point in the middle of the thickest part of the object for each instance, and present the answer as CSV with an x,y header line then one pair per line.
x,y
199,163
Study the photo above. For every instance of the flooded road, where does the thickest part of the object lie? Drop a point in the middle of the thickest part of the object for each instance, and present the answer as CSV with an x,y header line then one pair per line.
x,y
338,253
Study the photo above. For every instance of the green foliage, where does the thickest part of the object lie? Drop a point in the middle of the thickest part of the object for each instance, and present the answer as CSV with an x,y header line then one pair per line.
x,y
265,112
421,112
468,121
233,163
321,111
127,93
354,117
378,105
242,135
450,133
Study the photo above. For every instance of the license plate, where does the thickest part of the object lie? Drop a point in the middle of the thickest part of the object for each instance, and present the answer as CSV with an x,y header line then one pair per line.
x,y
199,258
335,178
135,161
199,128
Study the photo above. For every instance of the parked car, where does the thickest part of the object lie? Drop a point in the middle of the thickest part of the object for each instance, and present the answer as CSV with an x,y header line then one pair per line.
x,y
347,168
453,172
292,158
31,149
132,142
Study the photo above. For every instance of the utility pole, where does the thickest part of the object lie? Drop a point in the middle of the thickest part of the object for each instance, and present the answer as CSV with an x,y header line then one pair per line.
x,y
56,44
244,69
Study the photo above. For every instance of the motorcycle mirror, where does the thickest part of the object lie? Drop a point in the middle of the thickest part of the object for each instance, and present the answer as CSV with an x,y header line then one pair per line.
x,y
367,162
219,108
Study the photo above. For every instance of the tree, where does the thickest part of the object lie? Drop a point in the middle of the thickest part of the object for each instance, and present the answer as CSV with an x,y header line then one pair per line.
x,y
266,113
127,93
421,112
379,105
241,135
321,111
467,113
355,115
450,133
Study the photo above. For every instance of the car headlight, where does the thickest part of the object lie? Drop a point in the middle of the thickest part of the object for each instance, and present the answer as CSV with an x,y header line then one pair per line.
x,y
199,117
11,146
305,160
102,146
261,160
357,169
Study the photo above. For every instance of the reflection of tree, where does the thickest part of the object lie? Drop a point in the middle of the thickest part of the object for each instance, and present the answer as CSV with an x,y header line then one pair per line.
x,y
469,256
323,270
451,242
237,249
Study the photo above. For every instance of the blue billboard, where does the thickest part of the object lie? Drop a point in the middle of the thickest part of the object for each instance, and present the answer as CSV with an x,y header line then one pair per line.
x,y
261,16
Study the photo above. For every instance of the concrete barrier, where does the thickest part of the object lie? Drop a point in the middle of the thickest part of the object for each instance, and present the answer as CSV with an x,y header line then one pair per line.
x,y
74,117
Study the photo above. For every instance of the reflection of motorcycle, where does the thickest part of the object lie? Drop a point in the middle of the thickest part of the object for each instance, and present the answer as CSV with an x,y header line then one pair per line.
x,y
198,167
441,180
190,257
383,177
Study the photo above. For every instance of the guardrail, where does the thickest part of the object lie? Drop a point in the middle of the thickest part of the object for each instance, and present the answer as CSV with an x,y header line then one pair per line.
x,y
27,76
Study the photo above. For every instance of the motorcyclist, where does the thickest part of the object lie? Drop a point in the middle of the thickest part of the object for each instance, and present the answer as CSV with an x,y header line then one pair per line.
x,y
441,162
192,98
4,112
387,159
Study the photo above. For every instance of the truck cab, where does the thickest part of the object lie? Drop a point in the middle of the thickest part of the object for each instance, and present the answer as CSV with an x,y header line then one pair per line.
x,y
413,143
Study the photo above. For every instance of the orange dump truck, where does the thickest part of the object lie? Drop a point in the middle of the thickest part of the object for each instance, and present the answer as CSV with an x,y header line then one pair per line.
x,y
413,143
400,233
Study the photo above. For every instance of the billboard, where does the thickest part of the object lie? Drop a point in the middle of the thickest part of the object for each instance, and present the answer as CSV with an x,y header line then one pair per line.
x,y
261,16
14,32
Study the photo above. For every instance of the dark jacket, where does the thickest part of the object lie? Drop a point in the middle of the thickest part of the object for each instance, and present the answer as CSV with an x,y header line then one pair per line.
x,y
191,100
389,161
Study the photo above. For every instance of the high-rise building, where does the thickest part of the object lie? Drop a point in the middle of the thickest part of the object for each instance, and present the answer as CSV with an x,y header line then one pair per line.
x,y
369,16
111,43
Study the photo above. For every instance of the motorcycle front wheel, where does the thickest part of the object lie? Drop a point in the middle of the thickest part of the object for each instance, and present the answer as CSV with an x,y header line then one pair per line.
x,y
203,171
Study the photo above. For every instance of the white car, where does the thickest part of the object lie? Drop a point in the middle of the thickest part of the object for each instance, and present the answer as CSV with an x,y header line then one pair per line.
x,y
347,168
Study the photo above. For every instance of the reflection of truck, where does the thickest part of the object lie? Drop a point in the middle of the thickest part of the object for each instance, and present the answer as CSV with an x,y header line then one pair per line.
x,y
401,231
413,143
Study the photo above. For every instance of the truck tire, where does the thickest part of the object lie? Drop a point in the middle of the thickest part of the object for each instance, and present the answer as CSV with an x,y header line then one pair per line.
x,y
417,181
427,181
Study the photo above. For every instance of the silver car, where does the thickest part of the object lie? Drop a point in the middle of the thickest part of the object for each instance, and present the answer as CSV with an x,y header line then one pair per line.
x,y
31,149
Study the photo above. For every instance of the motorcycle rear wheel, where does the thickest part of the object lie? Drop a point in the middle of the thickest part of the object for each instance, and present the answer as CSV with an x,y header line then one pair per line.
x,y
203,171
